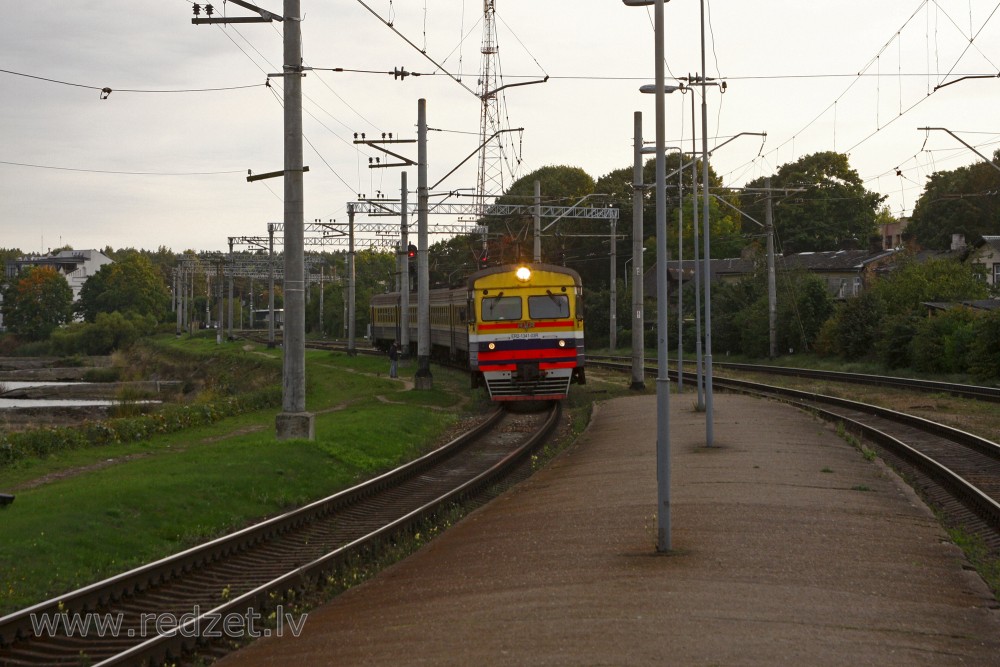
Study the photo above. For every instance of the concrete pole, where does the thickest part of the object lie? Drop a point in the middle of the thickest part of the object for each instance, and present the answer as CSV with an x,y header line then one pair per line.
x,y
709,416
270,286
663,538
537,254
321,297
231,278
351,350
404,274
219,303
638,340
772,291
613,315
680,269
697,266
424,379
208,298
178,301
294,421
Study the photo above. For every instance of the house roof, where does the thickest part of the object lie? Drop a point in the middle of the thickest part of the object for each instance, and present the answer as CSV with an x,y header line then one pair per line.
x,y
992,241
977,304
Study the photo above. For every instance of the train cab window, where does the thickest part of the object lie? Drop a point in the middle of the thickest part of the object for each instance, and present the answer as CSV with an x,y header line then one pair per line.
x,y
548,307
501,308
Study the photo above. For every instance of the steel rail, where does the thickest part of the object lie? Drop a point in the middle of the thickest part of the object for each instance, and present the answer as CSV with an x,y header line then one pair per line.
x,y
19,624
182,639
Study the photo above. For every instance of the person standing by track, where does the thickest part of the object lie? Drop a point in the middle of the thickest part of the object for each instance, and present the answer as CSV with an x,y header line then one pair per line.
x,y
393,360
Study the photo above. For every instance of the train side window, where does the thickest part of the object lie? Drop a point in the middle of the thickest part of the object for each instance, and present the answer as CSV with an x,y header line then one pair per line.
x,y
579,306
501,308
549,306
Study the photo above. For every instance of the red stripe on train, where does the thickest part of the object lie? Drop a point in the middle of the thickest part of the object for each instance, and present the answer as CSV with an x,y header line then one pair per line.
x,y
526,354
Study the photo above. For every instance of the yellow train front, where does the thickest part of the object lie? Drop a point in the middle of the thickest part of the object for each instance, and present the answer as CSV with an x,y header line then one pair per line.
x,y
526,331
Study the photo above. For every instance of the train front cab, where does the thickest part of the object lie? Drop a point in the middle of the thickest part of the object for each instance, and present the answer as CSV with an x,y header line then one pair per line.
x,y
526,331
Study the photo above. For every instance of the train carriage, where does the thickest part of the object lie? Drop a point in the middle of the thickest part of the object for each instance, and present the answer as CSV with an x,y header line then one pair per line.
x,y
519,328
526,334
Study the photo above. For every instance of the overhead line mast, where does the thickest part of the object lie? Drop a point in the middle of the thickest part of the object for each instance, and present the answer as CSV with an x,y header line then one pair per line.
x,y
490,177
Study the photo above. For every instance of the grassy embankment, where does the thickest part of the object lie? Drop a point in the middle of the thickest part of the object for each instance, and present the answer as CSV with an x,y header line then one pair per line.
x,y
84,514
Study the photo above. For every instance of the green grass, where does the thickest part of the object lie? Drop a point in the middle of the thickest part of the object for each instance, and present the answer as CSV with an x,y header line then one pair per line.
x,y
162,495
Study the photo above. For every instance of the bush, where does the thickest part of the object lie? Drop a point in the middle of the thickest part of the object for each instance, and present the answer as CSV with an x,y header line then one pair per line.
x,y
857,326
942,342
109,332
45,441
984,351
894,347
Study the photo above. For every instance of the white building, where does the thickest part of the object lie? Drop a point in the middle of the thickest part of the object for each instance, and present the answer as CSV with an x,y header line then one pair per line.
x,y
75,265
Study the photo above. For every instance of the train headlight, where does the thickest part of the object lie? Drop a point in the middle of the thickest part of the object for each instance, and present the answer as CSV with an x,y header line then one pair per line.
x,y
523,274
492,346
562,343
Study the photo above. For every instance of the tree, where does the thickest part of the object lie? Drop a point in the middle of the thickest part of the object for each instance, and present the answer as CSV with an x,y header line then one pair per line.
x,y
131,285
834,209
511,239
961,201
36,302
911,283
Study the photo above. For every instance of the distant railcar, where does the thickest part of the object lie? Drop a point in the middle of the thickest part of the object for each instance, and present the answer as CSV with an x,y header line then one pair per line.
x,y
519,329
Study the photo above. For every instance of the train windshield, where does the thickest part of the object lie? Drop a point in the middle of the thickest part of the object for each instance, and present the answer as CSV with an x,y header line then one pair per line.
x,y
548,307
501,308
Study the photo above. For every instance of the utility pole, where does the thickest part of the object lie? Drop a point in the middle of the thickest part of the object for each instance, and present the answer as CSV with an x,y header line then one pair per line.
x,y
638,188
613,315
772,299
404,273
424,379
537,215
220,302
270,286
351,351
231,278
294,421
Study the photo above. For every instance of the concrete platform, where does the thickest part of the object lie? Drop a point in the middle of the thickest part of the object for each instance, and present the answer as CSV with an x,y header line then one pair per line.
x,y
789,548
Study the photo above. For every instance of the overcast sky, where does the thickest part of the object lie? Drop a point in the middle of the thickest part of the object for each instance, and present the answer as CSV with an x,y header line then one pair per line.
x,y
791,67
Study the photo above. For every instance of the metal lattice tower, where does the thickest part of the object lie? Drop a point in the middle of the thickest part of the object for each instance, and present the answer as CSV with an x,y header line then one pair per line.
x,y
490,177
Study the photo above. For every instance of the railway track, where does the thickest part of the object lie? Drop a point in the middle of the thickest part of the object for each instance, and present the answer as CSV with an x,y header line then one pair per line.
x,y
957,473
245,573
978,392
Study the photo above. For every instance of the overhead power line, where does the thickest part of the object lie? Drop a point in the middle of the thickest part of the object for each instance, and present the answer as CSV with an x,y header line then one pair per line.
x,y
106,90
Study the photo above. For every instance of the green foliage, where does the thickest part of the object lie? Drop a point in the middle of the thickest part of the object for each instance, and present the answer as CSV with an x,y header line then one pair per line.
x,y
131,285
961,201
46,441
728,302
36,302
894,347
834,209
805,306
857,325
942,341
911,283
740,320
984,352
110,332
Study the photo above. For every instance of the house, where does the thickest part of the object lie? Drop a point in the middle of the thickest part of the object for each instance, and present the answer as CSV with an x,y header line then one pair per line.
x,y
846,272
75,265
986,251
892,233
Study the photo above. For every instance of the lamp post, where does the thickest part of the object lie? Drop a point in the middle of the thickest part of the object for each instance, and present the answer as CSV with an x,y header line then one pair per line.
x,y
662,380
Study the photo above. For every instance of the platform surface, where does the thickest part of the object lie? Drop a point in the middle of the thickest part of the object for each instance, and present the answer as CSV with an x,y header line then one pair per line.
x,y
788,548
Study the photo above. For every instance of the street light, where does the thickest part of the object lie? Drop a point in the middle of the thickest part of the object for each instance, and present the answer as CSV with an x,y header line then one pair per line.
x,y
662,379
